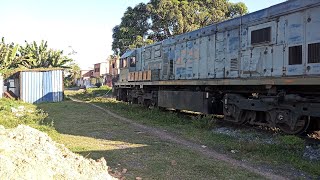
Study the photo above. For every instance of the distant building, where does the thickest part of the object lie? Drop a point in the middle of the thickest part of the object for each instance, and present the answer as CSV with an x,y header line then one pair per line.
x,y
100,69
114,70
85,78
105,73
114,64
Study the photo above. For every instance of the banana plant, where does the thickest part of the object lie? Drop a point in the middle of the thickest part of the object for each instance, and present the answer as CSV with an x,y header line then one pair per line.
x,y
9,57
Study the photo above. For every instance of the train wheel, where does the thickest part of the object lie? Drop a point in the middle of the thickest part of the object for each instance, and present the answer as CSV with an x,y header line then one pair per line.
x,y
300,127
246,116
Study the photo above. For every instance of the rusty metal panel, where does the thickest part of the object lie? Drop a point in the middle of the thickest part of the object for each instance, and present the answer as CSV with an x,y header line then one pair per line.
x,y
41,86
136,76
196,101
131,76
144,75
140,76
148,75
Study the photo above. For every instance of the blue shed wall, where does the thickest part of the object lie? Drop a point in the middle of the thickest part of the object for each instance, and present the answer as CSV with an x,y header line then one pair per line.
x,y
44,86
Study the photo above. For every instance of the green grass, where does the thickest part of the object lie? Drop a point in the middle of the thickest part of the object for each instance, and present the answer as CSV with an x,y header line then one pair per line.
x,y
284,155
90,132
13,113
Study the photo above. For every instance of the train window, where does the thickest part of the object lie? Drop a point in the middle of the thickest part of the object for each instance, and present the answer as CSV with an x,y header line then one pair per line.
x,y
314,53
123,63
147,53
157,48
157,53
295,55
132,62
261,36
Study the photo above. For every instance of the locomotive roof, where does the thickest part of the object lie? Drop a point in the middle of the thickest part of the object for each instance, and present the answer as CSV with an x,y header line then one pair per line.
x,y
264,14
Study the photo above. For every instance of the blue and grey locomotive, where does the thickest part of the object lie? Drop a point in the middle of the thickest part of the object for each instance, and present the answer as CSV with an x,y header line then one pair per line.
x,y
262,68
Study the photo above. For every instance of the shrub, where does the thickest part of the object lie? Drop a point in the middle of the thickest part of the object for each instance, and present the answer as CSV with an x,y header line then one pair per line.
x,y
206,122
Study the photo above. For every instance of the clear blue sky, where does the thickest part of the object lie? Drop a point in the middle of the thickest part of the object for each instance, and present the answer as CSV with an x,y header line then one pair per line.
x,y
85,25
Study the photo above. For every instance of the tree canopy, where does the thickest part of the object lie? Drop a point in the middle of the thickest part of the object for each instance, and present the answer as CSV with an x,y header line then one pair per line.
x,y
160,19
31,56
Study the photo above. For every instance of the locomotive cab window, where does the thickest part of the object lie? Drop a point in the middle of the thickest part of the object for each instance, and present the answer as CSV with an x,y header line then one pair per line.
x,y
261,36
132,62
295,55
123,63
314,53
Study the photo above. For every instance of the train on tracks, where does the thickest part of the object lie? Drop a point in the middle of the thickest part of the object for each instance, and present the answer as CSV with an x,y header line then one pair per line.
x,y
261,68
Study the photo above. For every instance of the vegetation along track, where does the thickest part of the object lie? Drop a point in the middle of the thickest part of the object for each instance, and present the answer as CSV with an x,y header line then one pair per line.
x,y
191,145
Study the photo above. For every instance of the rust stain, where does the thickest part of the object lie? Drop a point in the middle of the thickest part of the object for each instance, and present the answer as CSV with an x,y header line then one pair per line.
x,y
289,81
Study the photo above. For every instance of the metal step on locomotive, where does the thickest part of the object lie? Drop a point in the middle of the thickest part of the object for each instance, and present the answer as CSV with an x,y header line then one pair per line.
x,y
262,68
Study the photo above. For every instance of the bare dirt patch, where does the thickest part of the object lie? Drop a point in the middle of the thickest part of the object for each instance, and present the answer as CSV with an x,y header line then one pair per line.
x,y
26,153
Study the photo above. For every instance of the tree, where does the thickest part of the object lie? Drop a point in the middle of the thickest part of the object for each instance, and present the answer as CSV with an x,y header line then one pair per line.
x,y
73,73
9,58
236,9
165,18
134,23
35,56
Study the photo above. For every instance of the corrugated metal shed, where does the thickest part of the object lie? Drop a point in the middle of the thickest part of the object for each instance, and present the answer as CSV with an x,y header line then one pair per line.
x,y
41,86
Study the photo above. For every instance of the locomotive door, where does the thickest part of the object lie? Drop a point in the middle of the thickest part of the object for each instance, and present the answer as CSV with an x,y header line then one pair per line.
x,y
211,49
165,64
171,62
295,44
232,54
189,60
261,61
313,41
204,62
181,55
196,58
277,60
220,55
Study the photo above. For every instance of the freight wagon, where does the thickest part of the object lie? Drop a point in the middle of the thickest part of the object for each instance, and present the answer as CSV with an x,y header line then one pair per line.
x,y
262,68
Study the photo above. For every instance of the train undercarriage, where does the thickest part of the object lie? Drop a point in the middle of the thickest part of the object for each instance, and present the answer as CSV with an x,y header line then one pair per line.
x,y
291,109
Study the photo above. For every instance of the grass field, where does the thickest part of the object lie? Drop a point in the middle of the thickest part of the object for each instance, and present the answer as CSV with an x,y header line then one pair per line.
x,y
285,155
88,131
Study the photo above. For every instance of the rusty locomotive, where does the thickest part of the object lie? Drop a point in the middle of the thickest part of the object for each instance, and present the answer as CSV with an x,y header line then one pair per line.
x,y
262,68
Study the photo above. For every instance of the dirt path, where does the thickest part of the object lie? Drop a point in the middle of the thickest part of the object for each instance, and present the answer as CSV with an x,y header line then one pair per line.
x,y
189,144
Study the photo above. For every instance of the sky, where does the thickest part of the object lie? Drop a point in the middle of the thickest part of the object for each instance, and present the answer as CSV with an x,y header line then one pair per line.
x,y
84,26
